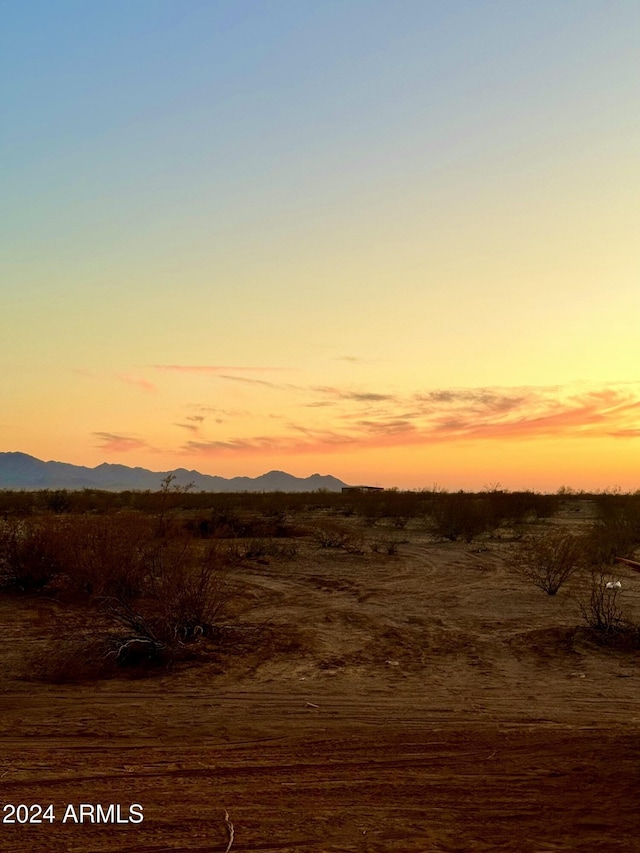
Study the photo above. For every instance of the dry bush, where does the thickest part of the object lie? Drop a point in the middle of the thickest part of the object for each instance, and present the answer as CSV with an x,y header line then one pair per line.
x,y
616,533
332,534
550,559
601,610
385,546
255,549
158,591
609,538
94,555
189,594
108,555
72,658
135,640
230,523
458,516
182,603
30,553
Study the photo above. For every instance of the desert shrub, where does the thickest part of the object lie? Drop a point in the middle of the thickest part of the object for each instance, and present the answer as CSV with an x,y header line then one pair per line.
x,y
284,550
550,559
233,524
601,610
16,503
616,533
606,540
73,657
158,589
458,516
398,507
182,600
190,598
136,639
108,555
220,524
516,508
253,549
58,500
385,546
30,553
332,534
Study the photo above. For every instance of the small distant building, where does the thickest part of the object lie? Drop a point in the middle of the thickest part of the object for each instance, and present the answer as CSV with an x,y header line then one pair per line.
x,y
347,489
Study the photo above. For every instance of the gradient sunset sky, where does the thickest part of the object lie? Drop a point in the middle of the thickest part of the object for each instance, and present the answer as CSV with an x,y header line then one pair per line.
x,y
397,242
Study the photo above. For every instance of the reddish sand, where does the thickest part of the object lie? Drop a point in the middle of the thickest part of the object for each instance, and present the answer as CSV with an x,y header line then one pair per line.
x,y
429,701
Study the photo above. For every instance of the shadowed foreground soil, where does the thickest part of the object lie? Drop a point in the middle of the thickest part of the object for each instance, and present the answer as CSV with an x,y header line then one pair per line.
x,y
430,701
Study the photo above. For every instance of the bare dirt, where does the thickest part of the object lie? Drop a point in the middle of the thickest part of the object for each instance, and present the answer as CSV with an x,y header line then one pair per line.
x,y
430,701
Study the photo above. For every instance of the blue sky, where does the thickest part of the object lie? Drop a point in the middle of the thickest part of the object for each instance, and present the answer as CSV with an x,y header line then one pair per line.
x,y
382,198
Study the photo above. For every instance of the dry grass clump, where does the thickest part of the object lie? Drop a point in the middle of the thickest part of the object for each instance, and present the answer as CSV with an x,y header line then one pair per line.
x,y
256,549
382,545
329,533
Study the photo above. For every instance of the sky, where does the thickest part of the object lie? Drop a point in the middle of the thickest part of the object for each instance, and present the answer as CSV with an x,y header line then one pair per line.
x,y
396,242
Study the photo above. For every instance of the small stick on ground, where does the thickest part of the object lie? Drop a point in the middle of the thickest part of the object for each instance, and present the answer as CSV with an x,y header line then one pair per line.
x,y
230,830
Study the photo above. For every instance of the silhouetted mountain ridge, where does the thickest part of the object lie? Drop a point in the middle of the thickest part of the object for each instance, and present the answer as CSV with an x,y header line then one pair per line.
x,y
21,471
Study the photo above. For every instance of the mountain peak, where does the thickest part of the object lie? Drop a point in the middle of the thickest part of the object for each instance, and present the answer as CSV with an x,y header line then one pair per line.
x,y
21,471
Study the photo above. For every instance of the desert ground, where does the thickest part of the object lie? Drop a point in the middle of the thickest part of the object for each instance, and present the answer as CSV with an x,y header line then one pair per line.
x,y
431,699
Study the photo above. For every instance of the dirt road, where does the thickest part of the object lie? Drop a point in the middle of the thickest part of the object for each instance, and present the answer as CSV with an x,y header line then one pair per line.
x,y
430,701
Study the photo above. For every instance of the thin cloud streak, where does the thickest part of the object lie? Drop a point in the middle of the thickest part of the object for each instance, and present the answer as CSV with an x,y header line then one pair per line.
x,y
117,443
137,382
249,380
215,368
454,415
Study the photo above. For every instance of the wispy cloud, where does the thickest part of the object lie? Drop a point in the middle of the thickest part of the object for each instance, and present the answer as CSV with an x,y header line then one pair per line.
x,y
216,410
312,440
137,382
375,420
114,442
533,413
248,380
357,396
230,373
216,368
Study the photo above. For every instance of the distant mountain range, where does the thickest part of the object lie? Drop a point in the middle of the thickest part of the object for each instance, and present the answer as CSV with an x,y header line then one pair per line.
x,y
21,471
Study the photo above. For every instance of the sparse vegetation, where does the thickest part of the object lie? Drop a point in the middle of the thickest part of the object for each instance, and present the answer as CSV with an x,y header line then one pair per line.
x,y
601,609
334,534
459,516
616,532
30,553
549,560
145,577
